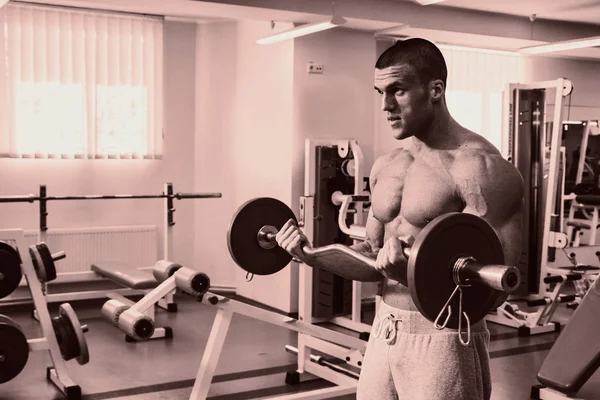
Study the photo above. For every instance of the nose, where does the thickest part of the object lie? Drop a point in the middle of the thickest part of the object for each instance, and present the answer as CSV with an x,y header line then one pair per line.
x,y
388,102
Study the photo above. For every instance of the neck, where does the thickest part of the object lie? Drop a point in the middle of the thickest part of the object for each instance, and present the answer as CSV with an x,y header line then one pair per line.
x,y
441,134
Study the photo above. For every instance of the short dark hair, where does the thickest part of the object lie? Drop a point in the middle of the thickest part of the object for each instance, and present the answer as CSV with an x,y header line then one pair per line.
x,y
424,56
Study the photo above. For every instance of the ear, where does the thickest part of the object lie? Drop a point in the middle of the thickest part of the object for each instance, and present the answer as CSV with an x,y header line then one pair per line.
x,y
436,90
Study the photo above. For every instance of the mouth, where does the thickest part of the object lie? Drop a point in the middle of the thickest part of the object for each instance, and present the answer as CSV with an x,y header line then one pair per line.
x,y
394,122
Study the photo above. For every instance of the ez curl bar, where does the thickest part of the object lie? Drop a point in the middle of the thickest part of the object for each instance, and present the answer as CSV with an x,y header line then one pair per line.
x,y
455,253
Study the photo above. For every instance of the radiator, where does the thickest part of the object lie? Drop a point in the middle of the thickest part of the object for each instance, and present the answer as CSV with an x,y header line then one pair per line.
x,y
133,245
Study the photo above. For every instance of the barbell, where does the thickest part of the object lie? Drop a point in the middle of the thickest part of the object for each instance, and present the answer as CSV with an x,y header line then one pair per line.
x,y
455,252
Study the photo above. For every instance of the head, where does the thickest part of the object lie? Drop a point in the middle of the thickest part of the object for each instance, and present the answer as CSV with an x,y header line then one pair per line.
x,y
411,76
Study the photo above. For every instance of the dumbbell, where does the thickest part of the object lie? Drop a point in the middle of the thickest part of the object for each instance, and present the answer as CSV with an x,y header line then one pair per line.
x,y
455,250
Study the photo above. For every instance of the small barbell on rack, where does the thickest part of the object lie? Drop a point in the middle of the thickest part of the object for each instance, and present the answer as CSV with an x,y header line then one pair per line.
x,y
454,253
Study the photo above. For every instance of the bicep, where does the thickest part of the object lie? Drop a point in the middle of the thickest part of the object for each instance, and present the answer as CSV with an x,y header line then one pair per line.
x,y
508,228
499,201
374,236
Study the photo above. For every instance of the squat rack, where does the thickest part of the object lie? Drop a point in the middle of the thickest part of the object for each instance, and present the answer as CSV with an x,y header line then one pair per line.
x,y
43,198
168,196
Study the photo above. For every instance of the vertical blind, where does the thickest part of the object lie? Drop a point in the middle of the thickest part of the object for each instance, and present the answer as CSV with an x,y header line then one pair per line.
x,y
79,84
476,80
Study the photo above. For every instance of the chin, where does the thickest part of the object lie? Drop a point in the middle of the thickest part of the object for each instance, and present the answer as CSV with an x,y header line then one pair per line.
x,y
400,134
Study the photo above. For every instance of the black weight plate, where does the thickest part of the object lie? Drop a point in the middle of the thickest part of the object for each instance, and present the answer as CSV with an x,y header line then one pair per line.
x,y
10,269
242,236
43,262
69,335
432,257
14,349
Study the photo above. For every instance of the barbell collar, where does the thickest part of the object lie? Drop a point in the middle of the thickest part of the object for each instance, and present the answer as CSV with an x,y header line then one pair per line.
x,y
504,278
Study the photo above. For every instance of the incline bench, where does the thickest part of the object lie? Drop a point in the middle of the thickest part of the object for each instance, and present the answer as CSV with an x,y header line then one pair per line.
x,y
138,324
575,356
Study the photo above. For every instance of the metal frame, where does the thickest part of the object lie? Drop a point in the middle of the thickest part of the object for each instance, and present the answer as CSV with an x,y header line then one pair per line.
x,y
58,373
546,393
573,205
313,336
550,238
168,197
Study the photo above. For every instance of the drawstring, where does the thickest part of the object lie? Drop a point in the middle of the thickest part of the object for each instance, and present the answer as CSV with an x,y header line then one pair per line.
x,y
386,328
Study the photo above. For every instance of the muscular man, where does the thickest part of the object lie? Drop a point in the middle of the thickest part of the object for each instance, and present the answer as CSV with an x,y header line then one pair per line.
x,y
439,167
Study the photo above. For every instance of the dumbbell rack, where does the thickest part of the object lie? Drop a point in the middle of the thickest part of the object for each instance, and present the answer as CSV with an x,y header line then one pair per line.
x,y
57,373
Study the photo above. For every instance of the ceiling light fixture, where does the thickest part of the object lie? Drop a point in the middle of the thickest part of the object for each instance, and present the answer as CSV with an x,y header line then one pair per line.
x,y
562,46
303,30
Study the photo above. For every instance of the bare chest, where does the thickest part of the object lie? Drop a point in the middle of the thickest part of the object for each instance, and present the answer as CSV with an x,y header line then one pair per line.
x,y
413,194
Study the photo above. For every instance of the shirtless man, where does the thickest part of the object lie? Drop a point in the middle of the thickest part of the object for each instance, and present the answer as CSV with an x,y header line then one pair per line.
x,y
440,167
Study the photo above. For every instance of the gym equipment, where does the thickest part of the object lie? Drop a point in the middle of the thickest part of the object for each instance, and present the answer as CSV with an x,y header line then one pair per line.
x,y
63,335
341,345
43,261
14,349
533,144
461,247
575,355
334,170
69,335
10,269
137,319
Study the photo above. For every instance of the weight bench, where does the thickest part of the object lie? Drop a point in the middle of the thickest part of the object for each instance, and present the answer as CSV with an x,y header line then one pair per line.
x,y
138,323
576,354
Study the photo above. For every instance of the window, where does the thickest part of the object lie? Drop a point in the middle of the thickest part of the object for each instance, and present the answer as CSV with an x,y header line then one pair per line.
x,y
79,84
476,80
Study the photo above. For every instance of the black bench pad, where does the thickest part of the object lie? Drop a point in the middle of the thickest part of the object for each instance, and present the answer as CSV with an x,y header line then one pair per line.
x,y
575,355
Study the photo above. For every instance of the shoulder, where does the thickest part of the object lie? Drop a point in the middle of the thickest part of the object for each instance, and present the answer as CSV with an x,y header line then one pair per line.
x,y
484,177
484,166
397,157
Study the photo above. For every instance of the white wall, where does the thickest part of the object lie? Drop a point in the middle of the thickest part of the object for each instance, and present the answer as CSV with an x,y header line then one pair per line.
x,y
243,146
81,177
262,142
215,166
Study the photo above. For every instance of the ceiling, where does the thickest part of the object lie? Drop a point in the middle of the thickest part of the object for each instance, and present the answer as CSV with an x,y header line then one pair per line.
x,y
584,11
495,24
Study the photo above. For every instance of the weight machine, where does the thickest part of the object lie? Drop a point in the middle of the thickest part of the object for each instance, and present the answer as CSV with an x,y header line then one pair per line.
x,y
331,211
534,147
63,335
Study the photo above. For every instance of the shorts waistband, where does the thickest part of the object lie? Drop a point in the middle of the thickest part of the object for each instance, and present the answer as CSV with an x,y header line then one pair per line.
x,y
414,322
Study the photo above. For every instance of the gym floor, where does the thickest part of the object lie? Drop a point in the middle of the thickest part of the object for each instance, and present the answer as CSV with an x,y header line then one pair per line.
x,y
252,366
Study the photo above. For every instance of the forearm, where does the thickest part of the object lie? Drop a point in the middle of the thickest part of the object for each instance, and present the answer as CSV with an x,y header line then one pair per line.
x,y
340,265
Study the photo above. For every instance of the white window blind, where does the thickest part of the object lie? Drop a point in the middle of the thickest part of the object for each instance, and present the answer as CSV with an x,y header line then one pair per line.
x,y
476,80
79,84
